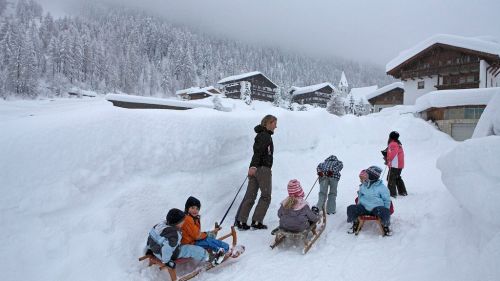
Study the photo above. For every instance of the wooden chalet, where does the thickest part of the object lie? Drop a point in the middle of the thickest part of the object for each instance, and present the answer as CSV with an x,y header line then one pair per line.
x,y
196,93
447,62
261,87
316,95
386,96
455,112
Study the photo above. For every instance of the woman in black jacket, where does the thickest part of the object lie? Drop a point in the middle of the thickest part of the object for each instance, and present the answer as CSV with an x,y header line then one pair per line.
x,y
259,176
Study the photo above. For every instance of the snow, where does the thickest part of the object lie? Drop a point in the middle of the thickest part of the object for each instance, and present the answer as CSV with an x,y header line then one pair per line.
x,y
242,76
489,123
159,101
384,90
360,94
82,182
480,44
310,89
446,98
195,90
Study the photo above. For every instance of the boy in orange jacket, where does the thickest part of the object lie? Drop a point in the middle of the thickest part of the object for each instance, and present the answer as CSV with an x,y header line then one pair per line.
x,y
192,234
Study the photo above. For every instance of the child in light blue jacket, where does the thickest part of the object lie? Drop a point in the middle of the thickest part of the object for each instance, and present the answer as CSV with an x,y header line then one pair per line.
x,y
373,199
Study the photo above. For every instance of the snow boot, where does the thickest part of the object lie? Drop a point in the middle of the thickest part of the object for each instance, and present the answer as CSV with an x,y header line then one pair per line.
x,y
215,258
241,225
258,225
354,227
387,231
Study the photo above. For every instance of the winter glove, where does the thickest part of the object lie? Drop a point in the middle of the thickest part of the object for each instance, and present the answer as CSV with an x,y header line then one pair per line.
x,y
170,264
329,174
320,174
315,210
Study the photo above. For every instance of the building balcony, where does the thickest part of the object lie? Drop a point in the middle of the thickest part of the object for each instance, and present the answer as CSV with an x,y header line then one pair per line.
x,y
453,69
470,85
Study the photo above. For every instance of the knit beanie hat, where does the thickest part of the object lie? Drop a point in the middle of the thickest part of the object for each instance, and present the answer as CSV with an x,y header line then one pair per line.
x,y
295,189
373,173
190,202
175,216
394,135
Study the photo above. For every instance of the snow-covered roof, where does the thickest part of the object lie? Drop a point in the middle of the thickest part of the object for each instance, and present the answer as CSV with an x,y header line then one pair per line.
x,y
242,76
362,92
310,89
385,89
447,98
480,44
196,90
157,101
343,81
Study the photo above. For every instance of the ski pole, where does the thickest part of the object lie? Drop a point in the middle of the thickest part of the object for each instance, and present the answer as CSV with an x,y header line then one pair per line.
x,y
312,187
230,206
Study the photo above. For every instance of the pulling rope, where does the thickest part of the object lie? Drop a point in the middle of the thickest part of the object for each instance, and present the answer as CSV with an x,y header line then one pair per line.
x,y
312,187
230,206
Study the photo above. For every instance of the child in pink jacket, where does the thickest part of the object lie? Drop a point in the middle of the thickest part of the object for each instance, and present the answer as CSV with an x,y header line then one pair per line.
x,y
395,160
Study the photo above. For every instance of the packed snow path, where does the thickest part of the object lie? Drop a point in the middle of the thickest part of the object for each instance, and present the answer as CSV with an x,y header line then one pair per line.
x,y
82,182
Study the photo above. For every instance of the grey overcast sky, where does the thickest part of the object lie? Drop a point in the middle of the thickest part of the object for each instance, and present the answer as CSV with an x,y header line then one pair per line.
x,y
369,30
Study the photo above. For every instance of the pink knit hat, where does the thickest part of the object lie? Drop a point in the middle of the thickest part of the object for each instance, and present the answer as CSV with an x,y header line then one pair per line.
x,y
294,189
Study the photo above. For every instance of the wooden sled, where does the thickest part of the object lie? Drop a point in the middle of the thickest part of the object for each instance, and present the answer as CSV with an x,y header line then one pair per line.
x,y
153,260
364,218
316,230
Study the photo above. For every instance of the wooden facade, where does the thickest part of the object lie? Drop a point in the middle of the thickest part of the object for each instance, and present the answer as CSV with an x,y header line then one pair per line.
x,y
456,68
391,97
261,88
319,97
453,113
139,105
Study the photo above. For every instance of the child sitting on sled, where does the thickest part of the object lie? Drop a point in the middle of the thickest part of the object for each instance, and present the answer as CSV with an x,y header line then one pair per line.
x,y
294,213
192,234
164,242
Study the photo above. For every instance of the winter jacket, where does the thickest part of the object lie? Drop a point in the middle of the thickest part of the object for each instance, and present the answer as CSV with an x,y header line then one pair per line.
x,y
296,220
395,155
373,194
331,164
191,230
164,241
263,148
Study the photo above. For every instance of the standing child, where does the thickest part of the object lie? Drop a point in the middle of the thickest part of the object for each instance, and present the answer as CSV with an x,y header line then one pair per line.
x,y
192,234
164,241
395,160
294,212
329,176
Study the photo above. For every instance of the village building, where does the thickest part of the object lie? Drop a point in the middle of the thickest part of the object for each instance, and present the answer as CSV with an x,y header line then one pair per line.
x,y
455,112
444,62
356,102
254,84
446,77
316,95
387,96
196,93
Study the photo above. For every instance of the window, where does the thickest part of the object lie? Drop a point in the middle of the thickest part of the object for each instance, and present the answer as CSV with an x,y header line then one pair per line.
x,y
470,79
420,84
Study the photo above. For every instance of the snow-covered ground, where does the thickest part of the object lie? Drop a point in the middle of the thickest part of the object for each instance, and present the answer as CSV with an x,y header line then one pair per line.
x,y
82,182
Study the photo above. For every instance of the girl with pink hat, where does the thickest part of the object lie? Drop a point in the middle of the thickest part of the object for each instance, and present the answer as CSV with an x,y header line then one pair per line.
x,y
294,213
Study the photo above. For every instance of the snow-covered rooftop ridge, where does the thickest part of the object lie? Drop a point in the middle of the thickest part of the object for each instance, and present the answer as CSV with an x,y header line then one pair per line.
x,y
158,101
384,89
242,76
311,88
362,92
481,44
343,81
446,98
195,90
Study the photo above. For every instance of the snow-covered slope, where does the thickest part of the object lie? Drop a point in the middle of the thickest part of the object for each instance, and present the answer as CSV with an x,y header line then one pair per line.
x,y
82,182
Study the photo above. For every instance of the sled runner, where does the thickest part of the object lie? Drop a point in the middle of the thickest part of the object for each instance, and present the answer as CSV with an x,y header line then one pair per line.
x,y
309,240
234,252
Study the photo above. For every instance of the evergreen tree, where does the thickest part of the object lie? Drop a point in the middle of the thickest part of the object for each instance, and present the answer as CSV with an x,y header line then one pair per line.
x,y
245,93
